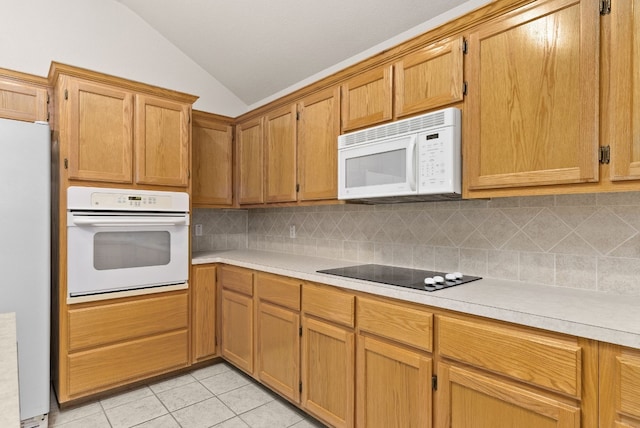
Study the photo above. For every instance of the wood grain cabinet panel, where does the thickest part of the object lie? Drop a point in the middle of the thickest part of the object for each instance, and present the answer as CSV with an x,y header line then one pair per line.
x,y
619,386
249,161
329,303
531,114
237,329
280,154
473,400
212,160
367,99
237,279
280,290
203,312
22,101
429,78
162,141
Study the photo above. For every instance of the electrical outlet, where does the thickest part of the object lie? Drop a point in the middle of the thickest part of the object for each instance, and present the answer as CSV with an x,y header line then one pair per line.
x,y
198,230
292,231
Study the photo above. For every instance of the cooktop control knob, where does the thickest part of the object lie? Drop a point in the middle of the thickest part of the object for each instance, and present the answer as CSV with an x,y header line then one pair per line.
x,y
450,277
438,279
458,275
429,281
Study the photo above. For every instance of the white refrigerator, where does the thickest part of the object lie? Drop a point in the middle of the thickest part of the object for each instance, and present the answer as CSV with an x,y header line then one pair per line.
x,y
25,261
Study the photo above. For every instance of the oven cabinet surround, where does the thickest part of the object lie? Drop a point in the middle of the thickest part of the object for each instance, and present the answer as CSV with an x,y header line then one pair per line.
x,y
491,372
23,96
328,354
619,386
212,160
116,131
203,313
116,342
289,154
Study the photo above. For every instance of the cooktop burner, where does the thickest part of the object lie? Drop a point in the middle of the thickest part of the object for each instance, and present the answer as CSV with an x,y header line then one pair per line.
x,y
403,277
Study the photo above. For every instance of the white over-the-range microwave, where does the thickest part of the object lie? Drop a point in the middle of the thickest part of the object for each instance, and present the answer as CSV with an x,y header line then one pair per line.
x,y
415,159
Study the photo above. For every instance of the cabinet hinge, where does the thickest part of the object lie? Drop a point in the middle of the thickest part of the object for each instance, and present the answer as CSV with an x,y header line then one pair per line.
x,y
605,155
297,115
47,98
66,163
605,7
188,173
48,116
465,46
300,331
297,187
66,94
300,387
465,87
434,382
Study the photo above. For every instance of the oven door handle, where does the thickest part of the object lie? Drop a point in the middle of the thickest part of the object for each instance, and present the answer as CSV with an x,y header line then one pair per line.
x,y
128,221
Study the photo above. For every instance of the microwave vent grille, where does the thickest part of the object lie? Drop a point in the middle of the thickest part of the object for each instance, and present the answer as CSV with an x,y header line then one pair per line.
x,y
394,129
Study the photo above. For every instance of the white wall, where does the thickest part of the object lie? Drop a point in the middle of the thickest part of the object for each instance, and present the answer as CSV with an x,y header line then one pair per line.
x,y
104,36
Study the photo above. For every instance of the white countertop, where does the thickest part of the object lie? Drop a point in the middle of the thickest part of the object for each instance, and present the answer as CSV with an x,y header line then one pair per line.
x,y
594,315
9,396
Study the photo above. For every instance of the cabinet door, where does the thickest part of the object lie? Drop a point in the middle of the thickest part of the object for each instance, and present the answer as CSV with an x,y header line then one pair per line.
x,y
203,304
212,144
162,141
100,132
318,132
394,385
619,386
429,78
278,353
22,102
328,363
366,99
237,329
249,162
532,103
470,400
280,155
621,97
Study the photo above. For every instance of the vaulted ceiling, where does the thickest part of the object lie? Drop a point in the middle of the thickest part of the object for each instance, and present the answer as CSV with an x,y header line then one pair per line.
x,y
257,48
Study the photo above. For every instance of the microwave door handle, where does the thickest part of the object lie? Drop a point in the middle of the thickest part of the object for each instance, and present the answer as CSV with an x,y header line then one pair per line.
x,y
129,221
412,162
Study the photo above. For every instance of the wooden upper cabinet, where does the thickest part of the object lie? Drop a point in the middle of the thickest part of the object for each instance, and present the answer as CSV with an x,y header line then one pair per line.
x,y
621,95
431,77
367,99
318,131
280,154
531,114
249,162
99,131
23,96
212,155
162,141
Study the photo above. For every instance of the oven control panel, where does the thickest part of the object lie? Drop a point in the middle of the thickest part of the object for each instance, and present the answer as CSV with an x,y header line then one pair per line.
x,y
128,201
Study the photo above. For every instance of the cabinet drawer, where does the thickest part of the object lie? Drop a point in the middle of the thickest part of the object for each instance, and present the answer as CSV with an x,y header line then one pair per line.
x,y
551,362
237,279
330,304
100,325
399,323
279,290
103,368
629,372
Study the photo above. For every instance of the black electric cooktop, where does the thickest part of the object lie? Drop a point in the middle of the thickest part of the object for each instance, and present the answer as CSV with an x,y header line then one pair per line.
x,y
401,277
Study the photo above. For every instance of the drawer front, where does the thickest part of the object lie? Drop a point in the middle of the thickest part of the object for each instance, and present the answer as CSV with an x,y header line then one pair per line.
x,y
237,279
114,322
553,363
330,304
110,366
629,372
399,323
280,290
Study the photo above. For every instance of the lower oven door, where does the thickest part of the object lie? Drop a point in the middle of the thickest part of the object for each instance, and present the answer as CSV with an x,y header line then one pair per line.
x,y
116,252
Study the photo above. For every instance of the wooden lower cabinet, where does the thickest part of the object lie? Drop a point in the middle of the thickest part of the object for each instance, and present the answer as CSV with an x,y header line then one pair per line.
x,y
473,400
237,331
619,386
203,312
328,365
393,385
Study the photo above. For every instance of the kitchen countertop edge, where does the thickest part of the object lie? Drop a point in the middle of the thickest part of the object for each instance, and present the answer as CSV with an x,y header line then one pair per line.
x,y
589,314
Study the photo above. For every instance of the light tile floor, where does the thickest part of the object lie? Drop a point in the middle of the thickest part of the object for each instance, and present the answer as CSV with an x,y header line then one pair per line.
x,y
215,396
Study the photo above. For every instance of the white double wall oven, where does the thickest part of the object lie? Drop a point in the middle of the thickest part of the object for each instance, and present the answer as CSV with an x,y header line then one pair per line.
x,y
125,241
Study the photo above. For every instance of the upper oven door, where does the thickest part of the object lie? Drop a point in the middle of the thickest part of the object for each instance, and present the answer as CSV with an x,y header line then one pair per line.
x,y
378,169
109,252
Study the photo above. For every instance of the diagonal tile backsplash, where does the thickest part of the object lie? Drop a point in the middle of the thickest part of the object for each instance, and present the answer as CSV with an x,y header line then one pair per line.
x,y
589,241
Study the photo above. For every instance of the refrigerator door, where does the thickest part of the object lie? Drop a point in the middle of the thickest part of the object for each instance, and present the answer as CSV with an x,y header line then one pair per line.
x,y
25,211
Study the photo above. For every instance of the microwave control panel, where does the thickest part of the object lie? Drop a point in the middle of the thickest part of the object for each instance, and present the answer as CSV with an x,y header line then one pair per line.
x,y
436,161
